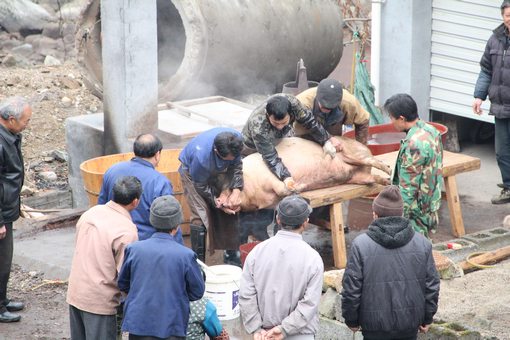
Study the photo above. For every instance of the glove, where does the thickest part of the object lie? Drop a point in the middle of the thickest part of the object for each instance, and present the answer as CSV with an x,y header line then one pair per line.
x,y
328,149
289,184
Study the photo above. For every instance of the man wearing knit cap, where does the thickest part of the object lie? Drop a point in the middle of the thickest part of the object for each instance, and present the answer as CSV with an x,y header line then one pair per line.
x,y
390,284
160,278
282,280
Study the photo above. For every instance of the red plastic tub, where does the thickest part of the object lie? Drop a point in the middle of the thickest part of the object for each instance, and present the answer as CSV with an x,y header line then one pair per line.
x,y
245,250
386,138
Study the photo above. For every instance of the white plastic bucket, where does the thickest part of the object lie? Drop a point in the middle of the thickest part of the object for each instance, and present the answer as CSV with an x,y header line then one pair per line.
x,y
222,290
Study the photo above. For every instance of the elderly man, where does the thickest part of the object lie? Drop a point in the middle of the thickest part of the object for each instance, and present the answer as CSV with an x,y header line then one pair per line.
x,y
210,168
102,235
390,284
271,121
419,166
160,278
281,284
334,107
147,149
15,114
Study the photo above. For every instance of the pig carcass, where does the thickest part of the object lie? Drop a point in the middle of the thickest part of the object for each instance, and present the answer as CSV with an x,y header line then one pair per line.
x,y
310,170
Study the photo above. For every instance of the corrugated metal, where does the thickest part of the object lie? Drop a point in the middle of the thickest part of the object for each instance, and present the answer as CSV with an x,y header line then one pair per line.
x,y
460,29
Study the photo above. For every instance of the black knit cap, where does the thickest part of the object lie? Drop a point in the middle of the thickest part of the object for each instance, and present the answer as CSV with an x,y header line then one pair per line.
x,y
329,93
293,210
389,202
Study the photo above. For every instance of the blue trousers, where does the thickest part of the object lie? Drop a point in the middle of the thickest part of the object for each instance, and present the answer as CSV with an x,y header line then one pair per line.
x,y
502,146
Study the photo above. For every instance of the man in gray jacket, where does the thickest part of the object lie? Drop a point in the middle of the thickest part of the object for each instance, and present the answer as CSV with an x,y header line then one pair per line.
x,y
282,280
390,284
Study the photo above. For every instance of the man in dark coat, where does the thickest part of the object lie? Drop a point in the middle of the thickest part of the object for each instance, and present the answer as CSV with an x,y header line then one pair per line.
x,y
494,80
15,114
390,284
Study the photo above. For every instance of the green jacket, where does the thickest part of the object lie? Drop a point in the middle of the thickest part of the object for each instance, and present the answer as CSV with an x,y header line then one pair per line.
x,y
418,173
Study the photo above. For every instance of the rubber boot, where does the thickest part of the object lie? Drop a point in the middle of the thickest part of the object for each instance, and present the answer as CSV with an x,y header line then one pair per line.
x,y
198,234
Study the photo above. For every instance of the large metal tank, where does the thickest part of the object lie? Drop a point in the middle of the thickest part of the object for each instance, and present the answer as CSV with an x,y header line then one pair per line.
x,y
228,47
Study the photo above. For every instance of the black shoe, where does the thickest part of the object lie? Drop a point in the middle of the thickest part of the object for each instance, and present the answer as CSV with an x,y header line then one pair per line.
x,y
15,306
9,317
503,186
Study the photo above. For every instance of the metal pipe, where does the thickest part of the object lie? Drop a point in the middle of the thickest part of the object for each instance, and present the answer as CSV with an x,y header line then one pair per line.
x,y
375,68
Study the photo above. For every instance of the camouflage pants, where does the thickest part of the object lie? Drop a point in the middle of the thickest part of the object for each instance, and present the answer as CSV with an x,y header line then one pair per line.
x,y
424,223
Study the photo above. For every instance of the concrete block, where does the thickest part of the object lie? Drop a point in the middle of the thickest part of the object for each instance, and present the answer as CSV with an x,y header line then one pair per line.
x,y
84,140
331,329
338,308
490,239
327,304
456,255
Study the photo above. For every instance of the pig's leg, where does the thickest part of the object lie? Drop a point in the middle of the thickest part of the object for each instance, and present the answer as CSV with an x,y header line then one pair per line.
x,y
361,177
365,160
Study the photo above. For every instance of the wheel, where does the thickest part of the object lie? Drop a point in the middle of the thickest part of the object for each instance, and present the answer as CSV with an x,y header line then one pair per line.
x,y
481,132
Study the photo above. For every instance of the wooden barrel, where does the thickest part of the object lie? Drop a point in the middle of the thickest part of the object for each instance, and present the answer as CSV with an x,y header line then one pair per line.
x,y
93,171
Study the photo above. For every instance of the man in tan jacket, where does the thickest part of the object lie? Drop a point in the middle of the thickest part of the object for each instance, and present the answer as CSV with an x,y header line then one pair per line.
x,y
334,107
102,234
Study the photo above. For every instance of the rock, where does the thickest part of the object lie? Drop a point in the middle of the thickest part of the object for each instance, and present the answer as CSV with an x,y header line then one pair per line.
x,y
51,61
22,14
31,38
13,80
48,176
25,49
8,45
93,108
48,9
37,58
69,83
506,222
51,30
327,304
338,308
484,323
46,43
70,29
67,102
329,279
32,273
16,60
26,191
59,155
49,159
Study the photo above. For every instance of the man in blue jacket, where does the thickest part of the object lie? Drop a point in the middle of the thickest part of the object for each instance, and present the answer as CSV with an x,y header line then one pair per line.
x,y
160,278
147,149
212,181
390,284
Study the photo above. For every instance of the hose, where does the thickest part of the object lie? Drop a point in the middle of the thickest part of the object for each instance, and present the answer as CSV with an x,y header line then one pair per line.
x,y
483,266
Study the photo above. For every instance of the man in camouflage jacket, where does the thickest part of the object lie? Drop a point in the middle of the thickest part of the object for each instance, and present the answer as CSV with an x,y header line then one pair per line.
x,y
271,121
419,166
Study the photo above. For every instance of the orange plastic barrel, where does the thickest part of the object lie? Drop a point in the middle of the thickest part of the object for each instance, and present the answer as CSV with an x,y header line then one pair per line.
x,y
93,171
245,250
393,139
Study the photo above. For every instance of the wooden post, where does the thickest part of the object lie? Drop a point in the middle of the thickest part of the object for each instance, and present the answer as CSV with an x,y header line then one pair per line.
x,y
337,234
452,197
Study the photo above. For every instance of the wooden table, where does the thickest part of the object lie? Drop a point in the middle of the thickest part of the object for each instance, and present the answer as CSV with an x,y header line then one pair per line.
x,y
453,164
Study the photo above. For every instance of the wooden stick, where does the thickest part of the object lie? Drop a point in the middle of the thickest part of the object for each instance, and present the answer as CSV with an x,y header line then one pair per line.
x,y
491,256
42,210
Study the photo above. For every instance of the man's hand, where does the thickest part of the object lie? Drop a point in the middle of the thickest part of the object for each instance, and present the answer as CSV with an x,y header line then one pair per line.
x,y
354,329
337,143
260,335
274,333
329,149
234,201
423,329
289,184
3,232
476,106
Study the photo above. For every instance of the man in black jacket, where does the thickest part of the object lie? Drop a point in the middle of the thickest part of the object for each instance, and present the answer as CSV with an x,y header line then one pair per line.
x,y
390,284
15,114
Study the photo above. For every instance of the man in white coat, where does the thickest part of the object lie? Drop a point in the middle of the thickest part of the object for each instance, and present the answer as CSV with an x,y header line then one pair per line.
x,y
282,280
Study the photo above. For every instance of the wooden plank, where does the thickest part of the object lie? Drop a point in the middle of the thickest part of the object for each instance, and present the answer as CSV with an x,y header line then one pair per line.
x,y
492,256
337,233
321,223
340,193
453,200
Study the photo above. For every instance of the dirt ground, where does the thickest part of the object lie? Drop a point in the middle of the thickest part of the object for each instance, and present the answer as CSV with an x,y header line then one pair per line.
x,y
480,299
